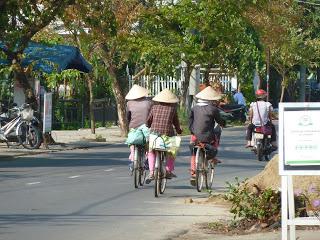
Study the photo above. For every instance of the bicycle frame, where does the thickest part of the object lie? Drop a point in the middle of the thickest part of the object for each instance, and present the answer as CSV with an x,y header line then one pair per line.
x,y
200,147
204,169
163,158
7,128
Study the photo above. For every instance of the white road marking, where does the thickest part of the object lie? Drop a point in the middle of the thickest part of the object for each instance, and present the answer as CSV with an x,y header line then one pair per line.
x,y
74,176
109,170
152,202
33,183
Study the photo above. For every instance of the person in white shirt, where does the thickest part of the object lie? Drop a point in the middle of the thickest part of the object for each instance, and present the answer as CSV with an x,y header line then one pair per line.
x,y
265,110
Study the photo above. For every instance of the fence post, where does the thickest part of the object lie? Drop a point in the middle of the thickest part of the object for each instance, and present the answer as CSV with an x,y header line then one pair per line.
x,y
104,109
82,115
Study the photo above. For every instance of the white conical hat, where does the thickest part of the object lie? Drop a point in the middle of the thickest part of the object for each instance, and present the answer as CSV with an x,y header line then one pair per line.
x,y
209,94
166,96
136,92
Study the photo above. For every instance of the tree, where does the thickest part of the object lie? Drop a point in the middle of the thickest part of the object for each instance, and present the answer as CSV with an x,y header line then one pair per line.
x,y
110,24
284,29
210,33
19,22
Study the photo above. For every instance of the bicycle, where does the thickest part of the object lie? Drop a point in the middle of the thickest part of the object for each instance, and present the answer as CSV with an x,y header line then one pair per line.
x,y
204,168
21,128
139,173
160,180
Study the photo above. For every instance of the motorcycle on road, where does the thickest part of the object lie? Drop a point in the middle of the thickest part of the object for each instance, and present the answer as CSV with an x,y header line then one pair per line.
x,y
261,142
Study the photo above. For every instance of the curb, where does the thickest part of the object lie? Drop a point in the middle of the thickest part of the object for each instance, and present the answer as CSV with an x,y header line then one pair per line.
x,y
11,155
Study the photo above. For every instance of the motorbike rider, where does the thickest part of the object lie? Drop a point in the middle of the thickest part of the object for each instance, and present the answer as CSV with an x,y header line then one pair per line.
x,y
260,115
202,123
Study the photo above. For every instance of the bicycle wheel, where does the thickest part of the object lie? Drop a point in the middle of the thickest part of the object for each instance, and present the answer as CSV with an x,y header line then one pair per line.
x,y
200,171
210,174
142,171
157,174
13,144
12,141
163,173
29,136
136,167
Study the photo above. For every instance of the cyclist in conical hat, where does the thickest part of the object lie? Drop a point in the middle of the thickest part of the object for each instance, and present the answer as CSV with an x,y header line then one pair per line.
x,y
138,107
202,122
162,118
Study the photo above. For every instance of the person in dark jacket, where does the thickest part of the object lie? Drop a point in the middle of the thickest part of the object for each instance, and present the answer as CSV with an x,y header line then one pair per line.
x,y
202,123
138,107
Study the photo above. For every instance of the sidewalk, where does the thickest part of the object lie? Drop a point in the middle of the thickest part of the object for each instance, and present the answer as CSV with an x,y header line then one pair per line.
x,y
201,235
67,140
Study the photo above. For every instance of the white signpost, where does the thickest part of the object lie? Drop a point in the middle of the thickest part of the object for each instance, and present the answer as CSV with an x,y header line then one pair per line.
x,y
299,154
47,113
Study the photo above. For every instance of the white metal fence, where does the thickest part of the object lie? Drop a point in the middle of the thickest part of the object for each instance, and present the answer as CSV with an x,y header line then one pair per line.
x,y
155,84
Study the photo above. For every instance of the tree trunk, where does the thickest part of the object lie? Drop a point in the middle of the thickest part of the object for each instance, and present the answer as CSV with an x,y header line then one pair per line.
x,y
91,104
120,101
185,85
21,77
283,86
206,80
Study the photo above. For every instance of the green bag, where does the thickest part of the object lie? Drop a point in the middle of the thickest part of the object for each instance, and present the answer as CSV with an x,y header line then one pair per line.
x,y
138,136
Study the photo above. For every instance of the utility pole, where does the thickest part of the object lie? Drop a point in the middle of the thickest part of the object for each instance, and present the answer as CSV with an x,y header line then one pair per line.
x,y
268,72
303,70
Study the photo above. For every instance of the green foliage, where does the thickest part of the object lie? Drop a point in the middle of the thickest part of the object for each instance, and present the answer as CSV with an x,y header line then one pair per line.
x,y
263,205
6,84
21,20
184,121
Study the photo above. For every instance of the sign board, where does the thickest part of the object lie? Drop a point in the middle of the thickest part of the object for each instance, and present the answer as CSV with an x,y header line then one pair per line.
x,y
47,112
299,154
299,134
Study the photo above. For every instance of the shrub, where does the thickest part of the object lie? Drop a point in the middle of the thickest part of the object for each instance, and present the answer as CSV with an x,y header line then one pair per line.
x,y
262,205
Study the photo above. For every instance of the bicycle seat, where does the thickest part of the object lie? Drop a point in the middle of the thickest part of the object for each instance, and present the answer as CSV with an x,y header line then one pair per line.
x,y
200,145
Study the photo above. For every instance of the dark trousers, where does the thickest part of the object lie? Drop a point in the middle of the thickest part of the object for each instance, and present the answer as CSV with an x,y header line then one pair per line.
x,y
251,127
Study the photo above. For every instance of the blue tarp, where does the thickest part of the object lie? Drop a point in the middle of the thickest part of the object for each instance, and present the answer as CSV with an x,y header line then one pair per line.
x,y
48,58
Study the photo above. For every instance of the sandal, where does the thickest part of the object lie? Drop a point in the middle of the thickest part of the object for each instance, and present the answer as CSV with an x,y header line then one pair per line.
x,y
150,178
170,175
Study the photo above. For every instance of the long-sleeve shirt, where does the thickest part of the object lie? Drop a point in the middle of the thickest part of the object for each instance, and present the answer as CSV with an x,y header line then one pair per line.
x,y
137,112
162,118
202,121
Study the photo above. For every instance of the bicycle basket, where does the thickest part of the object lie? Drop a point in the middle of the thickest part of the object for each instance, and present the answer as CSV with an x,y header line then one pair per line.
x,y
157,142
27,114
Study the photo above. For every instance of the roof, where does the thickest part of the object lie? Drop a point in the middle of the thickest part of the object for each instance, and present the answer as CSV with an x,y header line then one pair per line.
x,y
48,58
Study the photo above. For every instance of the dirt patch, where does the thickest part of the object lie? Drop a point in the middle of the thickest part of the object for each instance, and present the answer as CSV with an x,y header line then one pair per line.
x,y
245,227
216,199
269,178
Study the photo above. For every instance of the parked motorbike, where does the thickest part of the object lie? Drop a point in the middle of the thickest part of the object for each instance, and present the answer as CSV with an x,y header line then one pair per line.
x,y
261,144
235,111
20,126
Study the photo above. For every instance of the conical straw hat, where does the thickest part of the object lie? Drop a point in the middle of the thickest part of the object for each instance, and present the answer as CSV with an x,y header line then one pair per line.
x,y
209,94
166,96
136,92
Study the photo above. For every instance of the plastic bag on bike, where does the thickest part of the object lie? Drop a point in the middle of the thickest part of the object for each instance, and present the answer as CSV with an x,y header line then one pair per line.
x,y
211,151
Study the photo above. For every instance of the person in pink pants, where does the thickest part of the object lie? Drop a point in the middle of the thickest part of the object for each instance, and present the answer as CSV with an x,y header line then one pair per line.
x,y
138,107
162,118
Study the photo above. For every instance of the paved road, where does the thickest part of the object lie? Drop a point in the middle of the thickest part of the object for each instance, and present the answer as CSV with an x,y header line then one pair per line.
x,y
87,194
